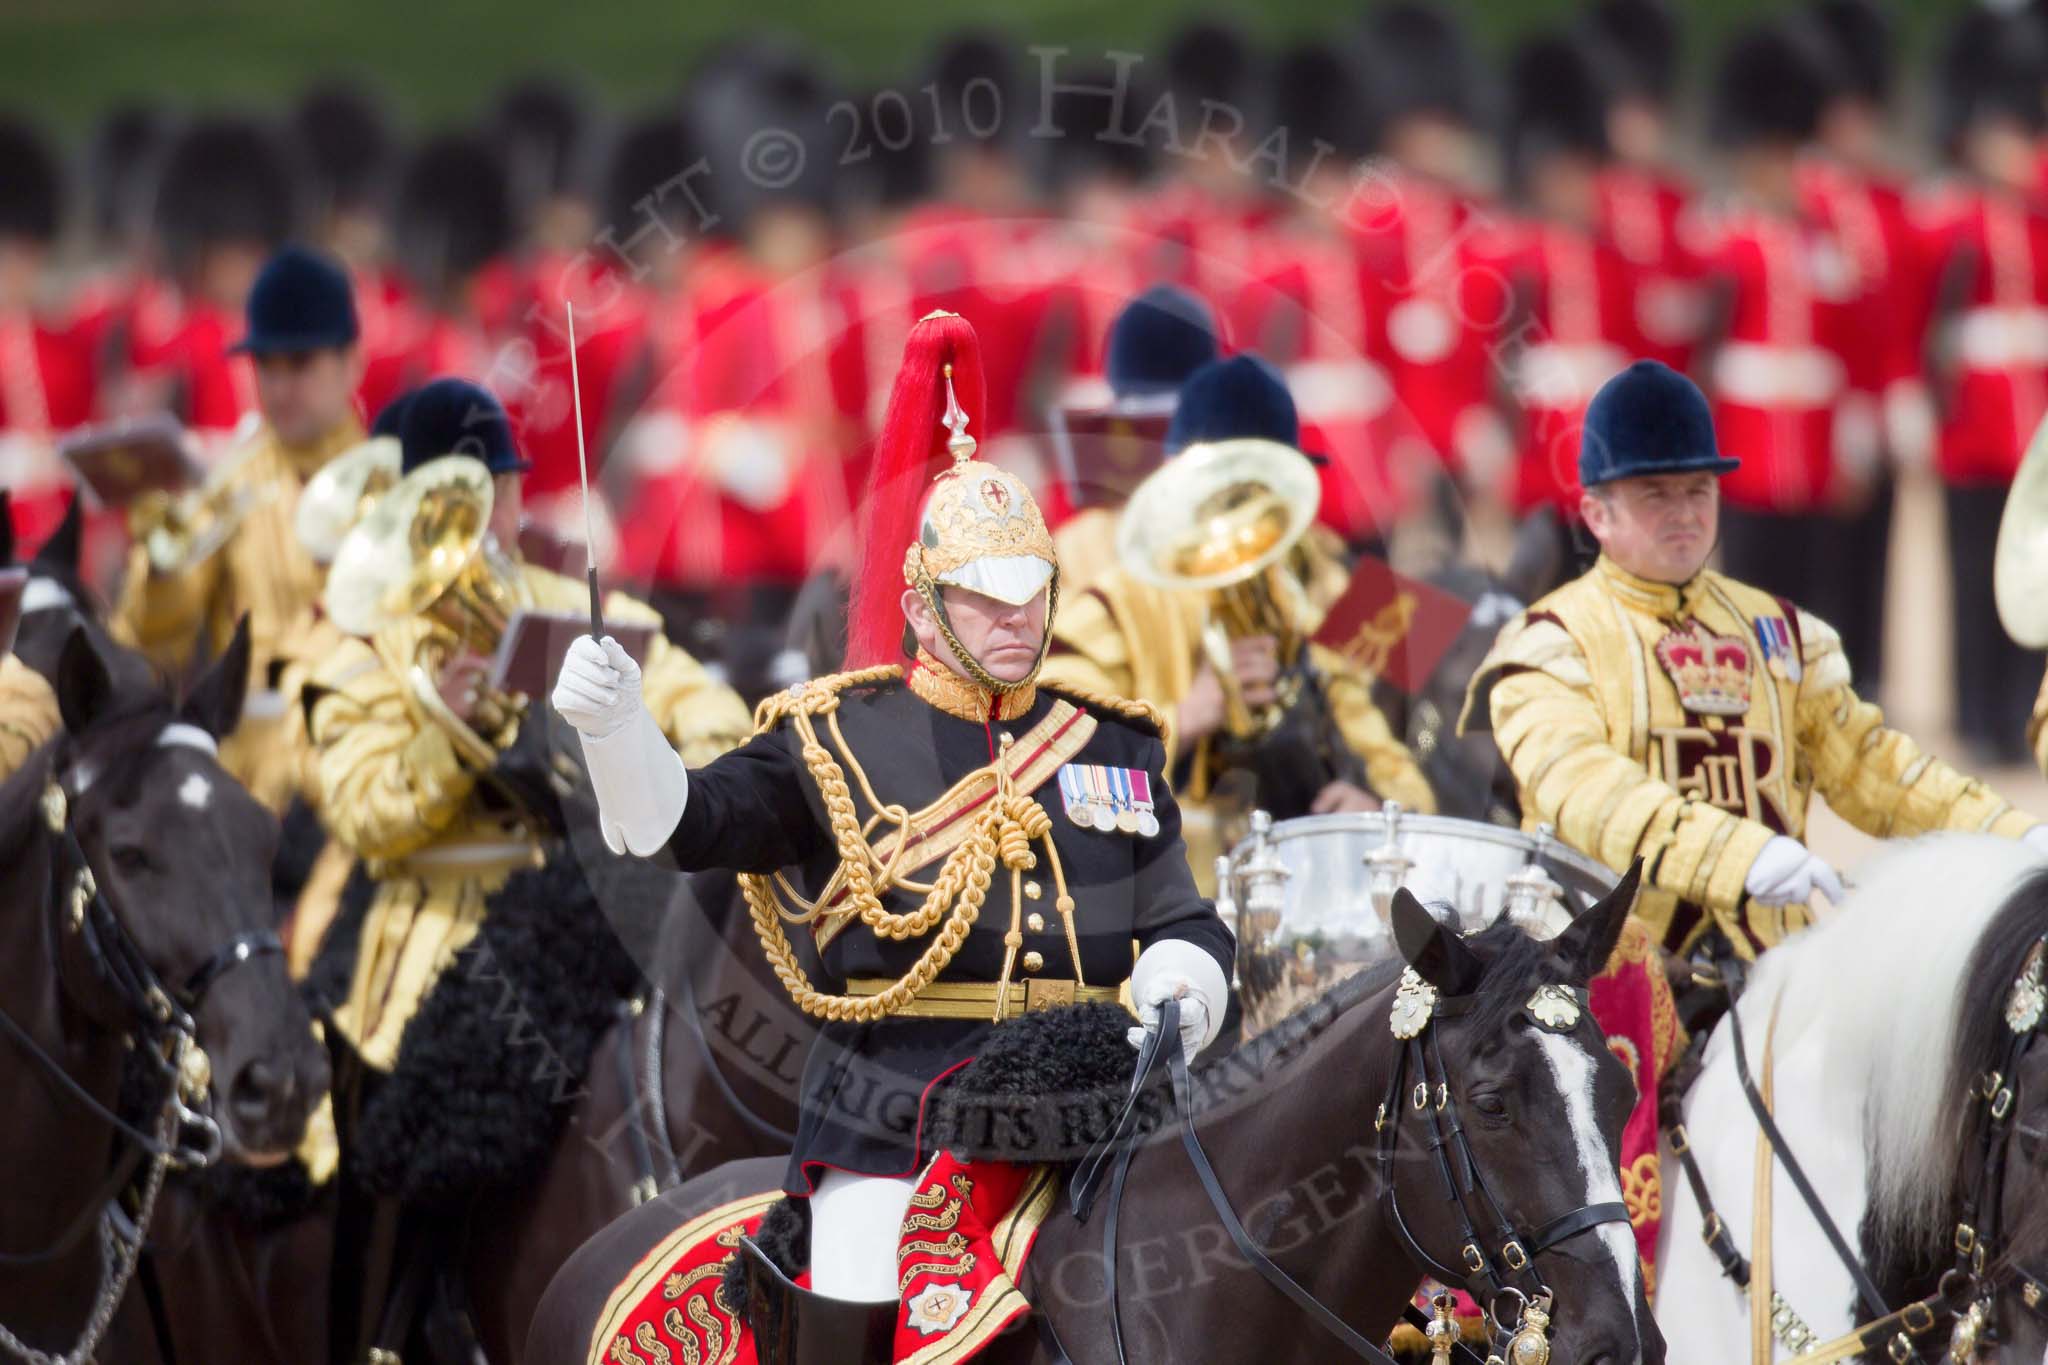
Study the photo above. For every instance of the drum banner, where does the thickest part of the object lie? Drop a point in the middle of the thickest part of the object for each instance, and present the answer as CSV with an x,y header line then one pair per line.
x,y
1632,1001
965,1235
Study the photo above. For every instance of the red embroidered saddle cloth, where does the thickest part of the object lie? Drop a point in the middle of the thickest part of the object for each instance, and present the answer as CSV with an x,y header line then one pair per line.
x,y
963,1243
1632,1001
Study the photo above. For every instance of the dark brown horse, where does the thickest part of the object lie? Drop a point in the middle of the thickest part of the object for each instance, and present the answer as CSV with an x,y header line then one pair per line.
x,y
134,916
1289,1120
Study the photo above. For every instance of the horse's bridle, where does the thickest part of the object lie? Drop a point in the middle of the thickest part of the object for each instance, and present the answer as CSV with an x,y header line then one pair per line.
x,y
1496,1259
1525,1342
158,1020
1992,1101
1967,1291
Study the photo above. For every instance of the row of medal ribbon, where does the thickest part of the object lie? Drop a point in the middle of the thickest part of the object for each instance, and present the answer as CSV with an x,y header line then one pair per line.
x,y
1104,798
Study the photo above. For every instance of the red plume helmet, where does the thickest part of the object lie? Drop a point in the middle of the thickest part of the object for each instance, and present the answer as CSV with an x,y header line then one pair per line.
x,y
909,454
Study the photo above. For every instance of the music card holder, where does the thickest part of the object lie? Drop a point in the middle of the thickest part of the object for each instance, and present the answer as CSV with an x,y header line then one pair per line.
x,y
1103,453
13,586
544,549
529,657
123,461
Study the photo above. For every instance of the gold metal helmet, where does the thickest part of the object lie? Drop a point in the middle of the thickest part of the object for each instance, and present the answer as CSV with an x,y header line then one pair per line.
x,y
981,530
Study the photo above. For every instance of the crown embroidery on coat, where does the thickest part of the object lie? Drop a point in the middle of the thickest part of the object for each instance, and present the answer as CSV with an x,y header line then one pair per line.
x,y
1710,671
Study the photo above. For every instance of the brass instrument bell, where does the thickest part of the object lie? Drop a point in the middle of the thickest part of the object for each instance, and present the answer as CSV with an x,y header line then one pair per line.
x,y
425,549
1222,518
342,493
2019,566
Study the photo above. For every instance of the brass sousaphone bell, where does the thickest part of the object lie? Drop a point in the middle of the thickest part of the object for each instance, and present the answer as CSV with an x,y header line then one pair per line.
x,y
426,550
2019,572
342,493
1220,519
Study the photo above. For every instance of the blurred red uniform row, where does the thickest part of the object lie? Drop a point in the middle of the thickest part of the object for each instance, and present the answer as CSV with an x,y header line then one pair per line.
x,y
1421,330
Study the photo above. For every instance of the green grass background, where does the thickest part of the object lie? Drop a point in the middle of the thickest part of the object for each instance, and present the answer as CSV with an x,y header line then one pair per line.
x,y
439,59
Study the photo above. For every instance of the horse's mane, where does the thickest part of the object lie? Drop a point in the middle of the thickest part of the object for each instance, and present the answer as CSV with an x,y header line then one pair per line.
x,y
1890,978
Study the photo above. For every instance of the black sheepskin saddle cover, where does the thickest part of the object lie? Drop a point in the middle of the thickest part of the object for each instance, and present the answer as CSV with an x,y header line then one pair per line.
x,y
492,1064
1044,1089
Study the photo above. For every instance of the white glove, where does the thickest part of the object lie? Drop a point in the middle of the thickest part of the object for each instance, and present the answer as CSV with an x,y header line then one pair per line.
x,y
2036,838
640,781
599,689
1176,969
1787,873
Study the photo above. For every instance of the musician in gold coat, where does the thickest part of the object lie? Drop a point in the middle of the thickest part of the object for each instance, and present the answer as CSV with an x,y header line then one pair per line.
x,y
28,714
1121,635
407,772
1654,708
178,594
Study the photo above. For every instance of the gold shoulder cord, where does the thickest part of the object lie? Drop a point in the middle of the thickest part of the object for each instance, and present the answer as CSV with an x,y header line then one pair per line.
x,y
1006,829
1123,706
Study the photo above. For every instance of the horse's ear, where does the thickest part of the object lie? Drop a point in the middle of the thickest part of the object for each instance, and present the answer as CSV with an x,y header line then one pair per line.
x,y
1584,948
215,702
1433,948
60,551
1537,563
85,687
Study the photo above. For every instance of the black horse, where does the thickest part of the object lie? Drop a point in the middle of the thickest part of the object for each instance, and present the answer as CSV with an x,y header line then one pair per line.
x,y
1355,1211
134,918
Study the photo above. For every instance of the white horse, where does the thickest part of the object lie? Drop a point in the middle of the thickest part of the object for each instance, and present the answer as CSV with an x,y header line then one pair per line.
x,y
1869,1006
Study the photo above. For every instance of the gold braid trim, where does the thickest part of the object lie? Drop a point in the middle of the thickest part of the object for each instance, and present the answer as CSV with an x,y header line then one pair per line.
x,y
1126,707
1005,830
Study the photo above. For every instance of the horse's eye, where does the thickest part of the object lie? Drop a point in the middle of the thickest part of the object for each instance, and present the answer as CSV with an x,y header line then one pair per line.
x,y
130,860
1490,1104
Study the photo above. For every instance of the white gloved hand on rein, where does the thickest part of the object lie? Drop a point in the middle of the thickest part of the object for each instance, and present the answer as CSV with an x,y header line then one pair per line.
x,y
1176,969
1786,872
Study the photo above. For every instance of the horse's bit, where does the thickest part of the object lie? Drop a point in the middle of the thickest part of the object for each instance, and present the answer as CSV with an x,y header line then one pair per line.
x,y
1526,1342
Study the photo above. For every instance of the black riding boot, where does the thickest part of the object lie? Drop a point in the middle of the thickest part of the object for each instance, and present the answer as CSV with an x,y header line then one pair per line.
x,y
792,1326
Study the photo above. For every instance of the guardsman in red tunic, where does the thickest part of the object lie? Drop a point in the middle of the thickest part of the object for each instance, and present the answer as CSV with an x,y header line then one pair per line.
x,y
741,455
1846,185
1095,169
1311,310
1792,377
46,372
451,227
1575,323
352,157
983,246
226,199
1988,237
1429,244
1643,197
1198,228
545,130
